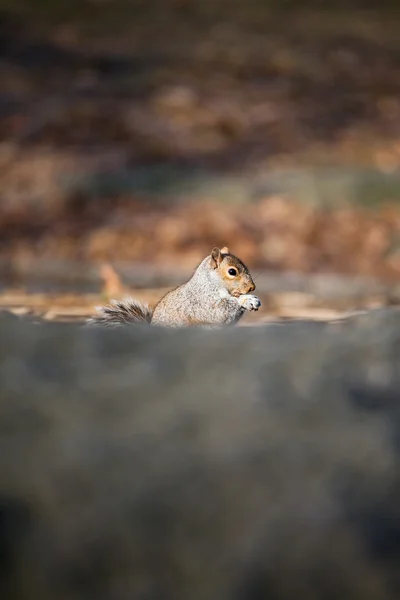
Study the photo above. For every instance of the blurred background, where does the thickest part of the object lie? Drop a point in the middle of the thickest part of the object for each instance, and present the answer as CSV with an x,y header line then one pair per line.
x,y
136,135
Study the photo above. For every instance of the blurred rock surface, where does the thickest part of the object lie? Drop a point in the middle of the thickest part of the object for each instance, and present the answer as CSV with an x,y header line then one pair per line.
x,y
235,465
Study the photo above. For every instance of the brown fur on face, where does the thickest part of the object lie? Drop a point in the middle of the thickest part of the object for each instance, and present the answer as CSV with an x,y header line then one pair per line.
x,y
237,283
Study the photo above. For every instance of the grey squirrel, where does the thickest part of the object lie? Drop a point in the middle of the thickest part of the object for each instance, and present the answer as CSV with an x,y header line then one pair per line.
x,y
218,293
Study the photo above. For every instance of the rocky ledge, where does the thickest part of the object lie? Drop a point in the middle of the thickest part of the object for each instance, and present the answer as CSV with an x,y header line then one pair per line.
x,y
244,464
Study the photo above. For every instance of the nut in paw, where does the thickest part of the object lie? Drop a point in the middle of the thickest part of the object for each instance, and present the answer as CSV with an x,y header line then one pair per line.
x,y
249,302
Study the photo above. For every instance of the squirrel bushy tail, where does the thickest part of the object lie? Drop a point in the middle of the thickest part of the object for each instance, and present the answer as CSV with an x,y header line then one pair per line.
x,y
218,293
122,312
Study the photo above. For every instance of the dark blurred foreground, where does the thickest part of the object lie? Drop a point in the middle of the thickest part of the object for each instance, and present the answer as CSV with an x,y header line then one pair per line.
x,y
231,465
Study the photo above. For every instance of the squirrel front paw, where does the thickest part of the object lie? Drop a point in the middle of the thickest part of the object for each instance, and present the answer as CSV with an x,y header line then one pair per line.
x,y
249,302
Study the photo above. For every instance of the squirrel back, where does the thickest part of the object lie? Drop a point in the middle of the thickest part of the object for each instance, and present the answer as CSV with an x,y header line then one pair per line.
x,y
218,293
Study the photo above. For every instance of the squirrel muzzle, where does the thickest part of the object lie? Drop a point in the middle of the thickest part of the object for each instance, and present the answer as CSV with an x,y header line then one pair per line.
x,y
243,289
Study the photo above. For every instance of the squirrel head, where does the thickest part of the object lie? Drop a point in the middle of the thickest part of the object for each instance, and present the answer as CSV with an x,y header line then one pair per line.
x,y
232,271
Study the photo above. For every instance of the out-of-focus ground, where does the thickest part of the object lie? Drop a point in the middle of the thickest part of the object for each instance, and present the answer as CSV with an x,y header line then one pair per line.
x,y
139,135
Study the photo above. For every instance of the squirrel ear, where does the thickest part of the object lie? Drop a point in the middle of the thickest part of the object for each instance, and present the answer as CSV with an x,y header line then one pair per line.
x,y
216,258
225,250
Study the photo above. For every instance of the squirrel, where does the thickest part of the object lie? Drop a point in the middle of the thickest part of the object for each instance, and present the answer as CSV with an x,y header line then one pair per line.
x,y
218,293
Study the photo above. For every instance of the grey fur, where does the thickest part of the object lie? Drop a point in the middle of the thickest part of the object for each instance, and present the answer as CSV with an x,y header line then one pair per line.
x,y
122,312
203,299
206,299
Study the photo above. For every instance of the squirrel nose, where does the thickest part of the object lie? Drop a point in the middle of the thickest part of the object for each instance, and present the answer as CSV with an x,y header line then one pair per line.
x,y
252,288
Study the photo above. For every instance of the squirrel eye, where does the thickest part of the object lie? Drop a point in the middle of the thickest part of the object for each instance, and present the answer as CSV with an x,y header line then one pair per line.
x,y
232,272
